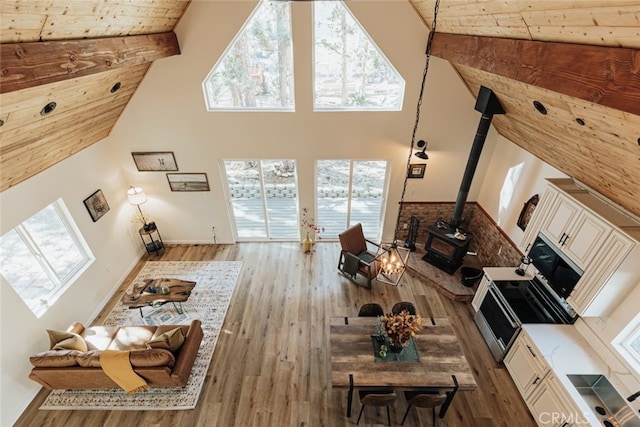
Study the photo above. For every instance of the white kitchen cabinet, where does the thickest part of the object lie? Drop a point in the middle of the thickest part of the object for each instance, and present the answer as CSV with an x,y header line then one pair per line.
x,y
541,390
574,230
551,406
480,293
597,292
525,364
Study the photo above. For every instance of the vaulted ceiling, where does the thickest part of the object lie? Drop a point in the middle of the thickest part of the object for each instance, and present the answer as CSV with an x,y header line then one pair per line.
x,y
578,58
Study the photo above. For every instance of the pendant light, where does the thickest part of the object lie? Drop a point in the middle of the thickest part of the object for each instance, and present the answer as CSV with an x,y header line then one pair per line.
x,y
392,259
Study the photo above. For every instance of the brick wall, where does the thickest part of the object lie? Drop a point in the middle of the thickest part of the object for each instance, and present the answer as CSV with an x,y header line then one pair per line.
x,y
491,244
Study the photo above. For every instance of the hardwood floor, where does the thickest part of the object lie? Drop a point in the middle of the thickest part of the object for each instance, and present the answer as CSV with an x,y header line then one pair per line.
x,y
271,366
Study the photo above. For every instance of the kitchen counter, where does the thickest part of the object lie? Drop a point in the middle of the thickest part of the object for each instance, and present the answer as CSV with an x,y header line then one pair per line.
x,y
505,273
567,352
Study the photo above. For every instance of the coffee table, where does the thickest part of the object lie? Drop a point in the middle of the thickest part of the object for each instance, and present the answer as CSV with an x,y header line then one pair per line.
x,y
143,294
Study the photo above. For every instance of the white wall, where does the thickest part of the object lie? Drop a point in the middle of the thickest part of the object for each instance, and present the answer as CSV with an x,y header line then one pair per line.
x,y
112,240
168,112
514,175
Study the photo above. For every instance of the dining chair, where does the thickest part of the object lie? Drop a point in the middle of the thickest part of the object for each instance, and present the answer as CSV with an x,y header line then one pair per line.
x,y
371,309
404,305
383,397
423,399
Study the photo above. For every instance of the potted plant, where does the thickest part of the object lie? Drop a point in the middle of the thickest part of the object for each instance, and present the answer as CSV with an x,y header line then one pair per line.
x,y
309,228
400,328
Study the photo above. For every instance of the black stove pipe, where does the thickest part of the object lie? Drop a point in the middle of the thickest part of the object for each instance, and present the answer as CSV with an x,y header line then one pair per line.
x,y
488,104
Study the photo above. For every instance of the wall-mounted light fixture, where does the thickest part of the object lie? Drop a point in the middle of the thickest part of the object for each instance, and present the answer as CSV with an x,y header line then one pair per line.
x,y
423,153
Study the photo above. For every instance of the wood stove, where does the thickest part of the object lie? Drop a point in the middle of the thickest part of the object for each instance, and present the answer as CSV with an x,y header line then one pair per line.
x,y
443,249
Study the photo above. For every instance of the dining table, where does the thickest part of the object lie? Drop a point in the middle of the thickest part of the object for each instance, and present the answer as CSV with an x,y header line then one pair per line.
x,y
433,360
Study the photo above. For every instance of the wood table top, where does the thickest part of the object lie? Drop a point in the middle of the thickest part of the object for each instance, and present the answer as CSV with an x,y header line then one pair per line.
x,y
438,347
179,291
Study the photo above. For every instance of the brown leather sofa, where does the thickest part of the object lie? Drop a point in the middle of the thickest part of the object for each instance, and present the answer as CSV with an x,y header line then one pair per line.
x,y
73,369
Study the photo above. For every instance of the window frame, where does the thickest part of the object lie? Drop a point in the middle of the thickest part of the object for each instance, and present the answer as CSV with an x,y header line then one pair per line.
x,y
374,233
42,258
622,344
353,108
212,107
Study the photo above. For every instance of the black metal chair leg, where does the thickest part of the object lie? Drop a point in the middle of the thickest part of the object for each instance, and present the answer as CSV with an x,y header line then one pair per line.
x,y
361,411
405,415
434,416
388,416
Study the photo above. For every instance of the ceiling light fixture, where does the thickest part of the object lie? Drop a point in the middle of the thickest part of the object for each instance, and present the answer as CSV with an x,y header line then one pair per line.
x,y
540,107
422,154
48,108
392,258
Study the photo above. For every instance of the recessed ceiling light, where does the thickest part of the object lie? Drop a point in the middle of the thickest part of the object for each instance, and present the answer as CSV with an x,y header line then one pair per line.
x,y
541,108
580,121
116,87
48,108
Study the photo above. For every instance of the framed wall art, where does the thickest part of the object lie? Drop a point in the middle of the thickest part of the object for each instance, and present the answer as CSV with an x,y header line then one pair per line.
x,y
188,181
155,161
527,211
416,170
97,205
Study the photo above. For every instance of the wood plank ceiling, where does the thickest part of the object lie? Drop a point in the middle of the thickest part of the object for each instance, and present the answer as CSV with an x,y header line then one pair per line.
x,y
604,152
586,73
86,56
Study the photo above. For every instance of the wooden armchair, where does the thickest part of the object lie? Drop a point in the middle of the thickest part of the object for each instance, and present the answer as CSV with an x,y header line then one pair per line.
x,y
358,255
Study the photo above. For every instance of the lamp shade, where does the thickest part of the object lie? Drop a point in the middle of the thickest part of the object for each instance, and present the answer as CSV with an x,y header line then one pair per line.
x,y
136,195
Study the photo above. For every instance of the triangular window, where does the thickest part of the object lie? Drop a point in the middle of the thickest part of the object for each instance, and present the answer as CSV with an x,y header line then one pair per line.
x,y
256,70
350,71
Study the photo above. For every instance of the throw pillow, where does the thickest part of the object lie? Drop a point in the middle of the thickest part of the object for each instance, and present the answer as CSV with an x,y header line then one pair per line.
x,y
171,340
63,340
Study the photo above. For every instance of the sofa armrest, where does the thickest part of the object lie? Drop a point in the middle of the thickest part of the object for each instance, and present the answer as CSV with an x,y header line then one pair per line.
x,y
187,355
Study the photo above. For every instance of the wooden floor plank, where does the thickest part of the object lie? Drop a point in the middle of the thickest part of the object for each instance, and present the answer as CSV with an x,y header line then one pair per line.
x,y
272,364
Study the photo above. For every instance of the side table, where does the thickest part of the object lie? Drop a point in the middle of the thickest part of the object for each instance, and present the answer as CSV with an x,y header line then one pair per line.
x,y
151,240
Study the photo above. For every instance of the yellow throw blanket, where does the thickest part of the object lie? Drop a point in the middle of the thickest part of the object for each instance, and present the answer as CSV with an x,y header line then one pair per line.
x,y
116,365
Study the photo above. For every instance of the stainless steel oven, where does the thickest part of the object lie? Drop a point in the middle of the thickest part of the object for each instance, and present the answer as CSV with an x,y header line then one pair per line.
x,y
510,303
497,322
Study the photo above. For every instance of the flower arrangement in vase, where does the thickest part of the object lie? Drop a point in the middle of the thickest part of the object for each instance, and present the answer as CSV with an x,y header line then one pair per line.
x,y
309,227
400,328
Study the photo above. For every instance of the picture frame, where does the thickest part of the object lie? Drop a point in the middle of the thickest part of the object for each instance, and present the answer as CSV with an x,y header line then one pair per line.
x,y
416,170
96,205
527,211
188,181
154,161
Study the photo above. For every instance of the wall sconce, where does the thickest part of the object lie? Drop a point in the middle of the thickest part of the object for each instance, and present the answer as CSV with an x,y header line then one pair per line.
x,y
422,154
137,197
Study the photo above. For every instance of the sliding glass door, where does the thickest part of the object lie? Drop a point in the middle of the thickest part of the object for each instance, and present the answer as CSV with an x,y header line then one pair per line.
x,y
348,192
264,198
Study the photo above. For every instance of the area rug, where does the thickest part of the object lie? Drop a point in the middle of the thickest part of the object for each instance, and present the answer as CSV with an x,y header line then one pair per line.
x,y
209,300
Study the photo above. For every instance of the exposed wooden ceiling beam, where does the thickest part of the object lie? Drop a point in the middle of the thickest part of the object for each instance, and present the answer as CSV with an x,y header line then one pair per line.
x,y
607,76
26,65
